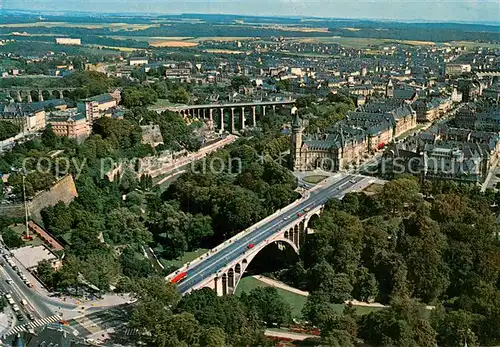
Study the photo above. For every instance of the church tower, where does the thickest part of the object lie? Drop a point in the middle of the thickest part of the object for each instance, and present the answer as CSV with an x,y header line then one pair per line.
x,y
389,89
296,141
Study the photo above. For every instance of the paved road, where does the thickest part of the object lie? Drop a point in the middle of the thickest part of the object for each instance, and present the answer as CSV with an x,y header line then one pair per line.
x,y
206,268
20,290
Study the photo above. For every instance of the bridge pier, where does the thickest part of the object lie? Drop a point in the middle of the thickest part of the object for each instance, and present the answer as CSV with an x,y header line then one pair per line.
x,y
224,284
243,118
254,118
204,113
29,98
18,96
222,119
233,130
274,108
263,110
211,114
40,96
61,94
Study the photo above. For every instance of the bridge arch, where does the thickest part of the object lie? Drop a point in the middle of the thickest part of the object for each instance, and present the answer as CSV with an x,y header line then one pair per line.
x,y
313,218
245,262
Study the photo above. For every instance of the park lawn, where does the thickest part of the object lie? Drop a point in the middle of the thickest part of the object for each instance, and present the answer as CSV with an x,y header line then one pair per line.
x,y
20,229
162,103
374,188
314,179
295,301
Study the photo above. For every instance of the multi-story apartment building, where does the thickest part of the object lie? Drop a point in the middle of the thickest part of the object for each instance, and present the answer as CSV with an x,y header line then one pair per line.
x,y
95,107
69,123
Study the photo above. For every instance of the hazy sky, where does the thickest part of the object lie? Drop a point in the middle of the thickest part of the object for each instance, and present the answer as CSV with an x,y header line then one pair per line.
x,y
435,10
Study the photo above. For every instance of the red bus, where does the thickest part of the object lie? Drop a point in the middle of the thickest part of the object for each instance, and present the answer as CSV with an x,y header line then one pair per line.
x,y
250,245
179,277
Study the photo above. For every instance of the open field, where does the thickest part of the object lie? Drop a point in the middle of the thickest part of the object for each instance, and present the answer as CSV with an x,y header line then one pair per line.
x,y
122,49
224,51
113,26
222,39
471,44
151,38
170,43
284,27
373,188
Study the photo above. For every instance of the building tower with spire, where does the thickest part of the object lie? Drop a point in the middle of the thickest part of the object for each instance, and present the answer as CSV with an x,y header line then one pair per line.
x,y
297,130
389,89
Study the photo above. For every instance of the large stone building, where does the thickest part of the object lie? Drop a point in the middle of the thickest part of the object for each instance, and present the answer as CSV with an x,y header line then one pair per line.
x,y
430,110
28,117
333,150
345,143
487,119
70,124
453,154
97,106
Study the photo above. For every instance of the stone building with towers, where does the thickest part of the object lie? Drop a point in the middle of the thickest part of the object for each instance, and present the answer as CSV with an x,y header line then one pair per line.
x,y
389,89
333,150
366,130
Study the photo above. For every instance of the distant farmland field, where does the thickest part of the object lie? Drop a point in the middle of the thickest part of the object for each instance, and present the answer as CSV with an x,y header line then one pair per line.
x,y
113,26
173,43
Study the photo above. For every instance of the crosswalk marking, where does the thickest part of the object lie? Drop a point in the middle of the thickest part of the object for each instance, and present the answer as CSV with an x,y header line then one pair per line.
x,y
34,324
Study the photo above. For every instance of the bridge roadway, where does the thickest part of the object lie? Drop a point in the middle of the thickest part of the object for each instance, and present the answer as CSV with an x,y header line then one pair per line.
x,y
208,267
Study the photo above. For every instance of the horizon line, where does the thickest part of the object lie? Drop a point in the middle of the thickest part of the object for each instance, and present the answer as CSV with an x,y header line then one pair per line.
x,y
149,14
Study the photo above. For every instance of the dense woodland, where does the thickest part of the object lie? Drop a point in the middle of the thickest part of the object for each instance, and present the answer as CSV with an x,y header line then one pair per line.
x,y
408,246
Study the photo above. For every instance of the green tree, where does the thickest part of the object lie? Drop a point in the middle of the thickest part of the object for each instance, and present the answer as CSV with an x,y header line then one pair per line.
x,y
268,306
454,328
46,273
213,337
11,238
179,96
49,138
125,228
238,81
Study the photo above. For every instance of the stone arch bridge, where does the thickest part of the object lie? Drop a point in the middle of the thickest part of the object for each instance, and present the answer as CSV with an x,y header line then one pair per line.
x,y
230,116
21,94
222,268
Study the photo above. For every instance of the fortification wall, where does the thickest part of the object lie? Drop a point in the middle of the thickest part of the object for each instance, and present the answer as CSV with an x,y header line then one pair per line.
x,y
64,190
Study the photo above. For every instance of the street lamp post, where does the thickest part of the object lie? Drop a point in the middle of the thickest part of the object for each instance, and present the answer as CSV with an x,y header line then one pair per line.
x,y
25,205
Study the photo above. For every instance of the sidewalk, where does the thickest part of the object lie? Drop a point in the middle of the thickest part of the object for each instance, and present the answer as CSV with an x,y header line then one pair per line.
x,y
281,285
